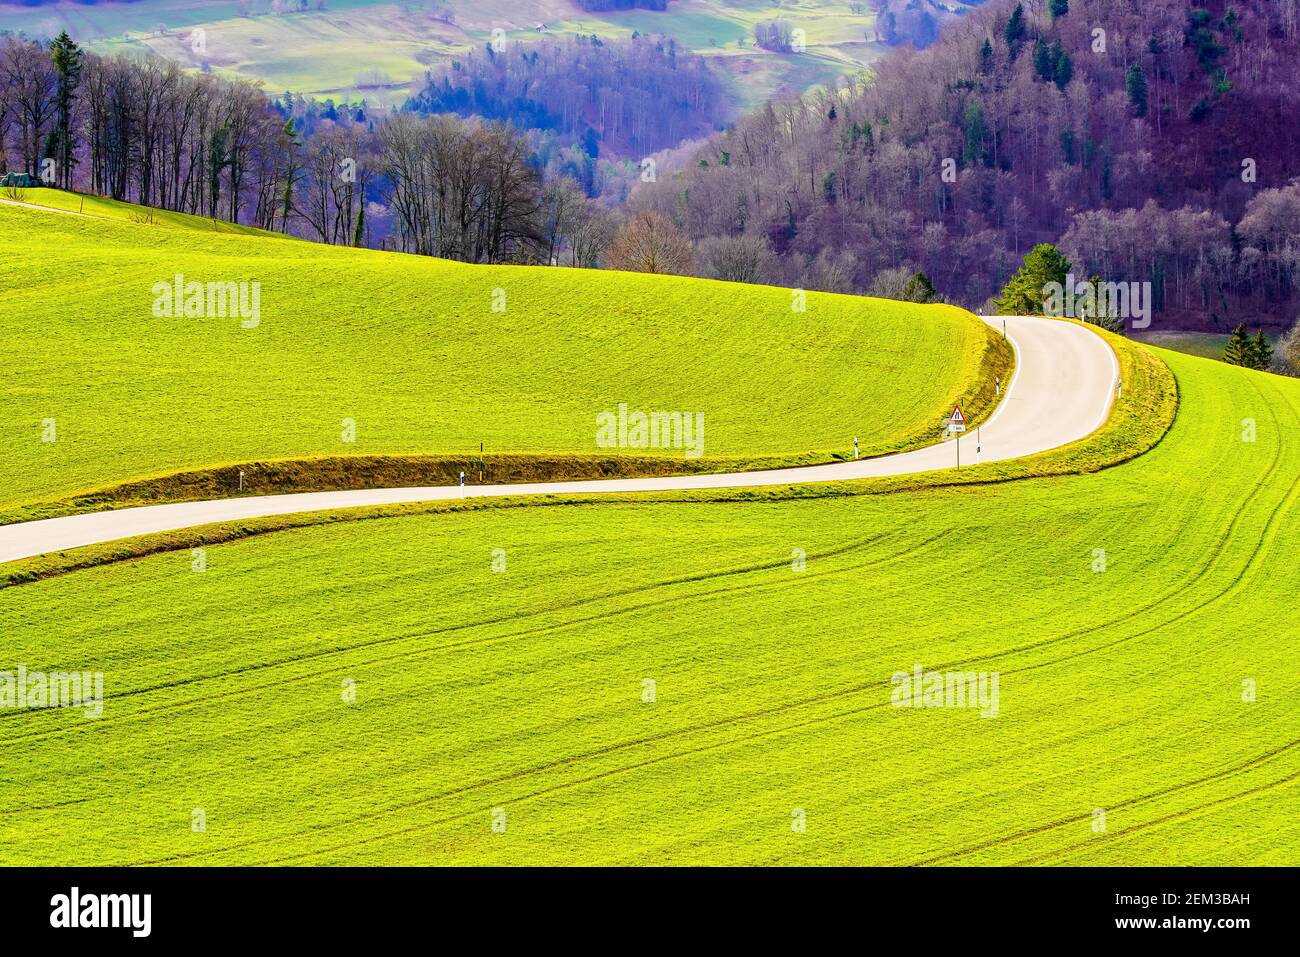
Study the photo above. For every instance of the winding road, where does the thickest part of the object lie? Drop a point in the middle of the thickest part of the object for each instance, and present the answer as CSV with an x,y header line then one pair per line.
x,y
1062,389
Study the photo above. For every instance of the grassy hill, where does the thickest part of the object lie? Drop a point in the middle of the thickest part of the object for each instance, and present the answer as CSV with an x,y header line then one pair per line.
x,y
1126,612
360,360
102,207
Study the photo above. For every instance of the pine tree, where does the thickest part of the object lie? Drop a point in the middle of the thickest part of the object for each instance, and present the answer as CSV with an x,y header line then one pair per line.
x,y
1058,8
1044,64
986,57
66,57
920,289
1239,350
1261,351
1028,288
1064,67
1135,84
1015,30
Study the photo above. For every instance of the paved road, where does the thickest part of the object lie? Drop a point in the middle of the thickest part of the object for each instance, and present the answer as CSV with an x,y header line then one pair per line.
x,y
1062,391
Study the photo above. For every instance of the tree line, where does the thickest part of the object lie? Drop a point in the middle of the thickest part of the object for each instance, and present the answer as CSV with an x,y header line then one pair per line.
x,y
148,132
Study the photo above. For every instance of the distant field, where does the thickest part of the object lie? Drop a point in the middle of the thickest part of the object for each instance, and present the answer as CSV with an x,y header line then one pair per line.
x,y
1208,345
410,351
335,51
659,684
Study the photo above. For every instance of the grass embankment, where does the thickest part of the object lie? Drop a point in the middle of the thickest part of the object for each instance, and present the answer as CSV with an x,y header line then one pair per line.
x,y
101,207
1128,612
369,368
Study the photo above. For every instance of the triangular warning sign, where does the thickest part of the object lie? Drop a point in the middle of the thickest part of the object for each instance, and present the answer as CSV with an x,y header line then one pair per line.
x,y
957,418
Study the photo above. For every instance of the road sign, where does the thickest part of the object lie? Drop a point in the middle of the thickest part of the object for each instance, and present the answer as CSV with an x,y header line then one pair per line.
x,y
956,421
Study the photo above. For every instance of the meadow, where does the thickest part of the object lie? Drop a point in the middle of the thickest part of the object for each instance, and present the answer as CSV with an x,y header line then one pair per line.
x,y
1208,345
686,681
359,353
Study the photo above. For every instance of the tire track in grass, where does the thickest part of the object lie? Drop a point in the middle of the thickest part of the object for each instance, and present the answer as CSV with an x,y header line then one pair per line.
x,y
1184,814
743,740
747,739
737,719
440,649
465,626
1217,553
1269,533
1220,775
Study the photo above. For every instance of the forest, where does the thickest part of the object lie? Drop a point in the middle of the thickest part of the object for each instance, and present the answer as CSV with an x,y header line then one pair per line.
x,y
626,97
1160,147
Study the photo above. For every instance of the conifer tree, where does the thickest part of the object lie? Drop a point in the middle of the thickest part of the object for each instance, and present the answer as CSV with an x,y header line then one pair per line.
x,y
1027,289
1238,351
1262,352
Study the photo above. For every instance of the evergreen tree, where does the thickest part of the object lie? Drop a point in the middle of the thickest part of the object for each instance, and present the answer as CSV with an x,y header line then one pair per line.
x,y
920,289
1240,350
976,129
1015,29
1044,64
986,57
1064,67
66,56
1028,288
1261,351
1058,8
1135,84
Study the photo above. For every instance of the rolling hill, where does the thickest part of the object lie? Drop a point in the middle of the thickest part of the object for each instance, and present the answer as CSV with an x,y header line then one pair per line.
x,y
380,368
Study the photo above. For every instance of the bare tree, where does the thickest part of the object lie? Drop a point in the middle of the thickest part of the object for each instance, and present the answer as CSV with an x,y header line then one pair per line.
x,y
649,242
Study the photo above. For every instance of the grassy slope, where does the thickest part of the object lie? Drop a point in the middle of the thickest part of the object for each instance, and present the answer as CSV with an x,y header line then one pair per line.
x,y
411,351
104,208
1120,690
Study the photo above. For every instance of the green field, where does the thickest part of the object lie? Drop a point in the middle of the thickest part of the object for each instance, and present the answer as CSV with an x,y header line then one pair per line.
x,y
521,691
101,207
360,353
673,679
1208,345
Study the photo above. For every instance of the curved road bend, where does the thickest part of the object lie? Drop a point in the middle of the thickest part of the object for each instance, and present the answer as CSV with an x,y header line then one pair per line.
x,y
1061,391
